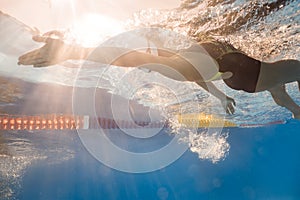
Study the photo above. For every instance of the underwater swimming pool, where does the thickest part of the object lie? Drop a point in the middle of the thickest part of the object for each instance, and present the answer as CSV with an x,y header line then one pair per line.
x,y
256,162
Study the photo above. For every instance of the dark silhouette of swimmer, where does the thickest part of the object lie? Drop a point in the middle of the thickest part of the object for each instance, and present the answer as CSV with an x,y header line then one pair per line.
x,y
238,70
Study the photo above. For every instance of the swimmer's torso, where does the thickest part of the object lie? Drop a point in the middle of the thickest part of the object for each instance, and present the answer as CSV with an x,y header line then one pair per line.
x,y
245,69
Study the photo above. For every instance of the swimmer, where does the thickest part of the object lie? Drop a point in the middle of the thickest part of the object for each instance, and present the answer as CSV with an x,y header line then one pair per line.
x,y
239,71
251,75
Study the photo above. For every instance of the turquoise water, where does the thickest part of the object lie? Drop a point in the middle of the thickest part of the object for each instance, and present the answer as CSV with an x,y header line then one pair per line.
x,y
247,163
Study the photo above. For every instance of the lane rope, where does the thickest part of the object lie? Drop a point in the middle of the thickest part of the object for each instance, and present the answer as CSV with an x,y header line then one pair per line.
x,y
71,122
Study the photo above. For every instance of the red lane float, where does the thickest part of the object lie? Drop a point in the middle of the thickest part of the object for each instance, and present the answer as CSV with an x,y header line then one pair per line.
x,y
68,122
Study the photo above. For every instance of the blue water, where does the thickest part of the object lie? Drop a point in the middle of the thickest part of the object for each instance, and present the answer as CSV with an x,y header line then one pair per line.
x,y
263,163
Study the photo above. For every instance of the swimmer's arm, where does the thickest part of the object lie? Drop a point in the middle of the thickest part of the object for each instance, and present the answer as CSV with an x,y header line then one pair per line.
x,y
127,58
227,102
56,51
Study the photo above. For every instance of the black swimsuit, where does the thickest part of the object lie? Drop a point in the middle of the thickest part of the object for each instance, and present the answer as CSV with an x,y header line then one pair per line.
x,y
244,68
245,71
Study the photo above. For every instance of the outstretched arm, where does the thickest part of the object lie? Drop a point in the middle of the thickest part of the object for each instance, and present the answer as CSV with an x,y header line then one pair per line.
x,y
53,52
282,98
228,103
56,51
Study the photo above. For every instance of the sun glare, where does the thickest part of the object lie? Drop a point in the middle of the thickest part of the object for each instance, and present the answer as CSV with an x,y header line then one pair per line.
x,y
91,29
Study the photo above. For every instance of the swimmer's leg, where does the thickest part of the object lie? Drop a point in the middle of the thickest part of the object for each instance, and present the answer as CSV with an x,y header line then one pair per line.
x,y
278,73
282,98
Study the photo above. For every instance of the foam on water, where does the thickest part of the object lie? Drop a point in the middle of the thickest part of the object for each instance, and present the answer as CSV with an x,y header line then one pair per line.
x,y
207,144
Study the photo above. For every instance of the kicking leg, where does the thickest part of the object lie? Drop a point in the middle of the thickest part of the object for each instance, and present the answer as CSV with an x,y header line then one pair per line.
x,y
282,98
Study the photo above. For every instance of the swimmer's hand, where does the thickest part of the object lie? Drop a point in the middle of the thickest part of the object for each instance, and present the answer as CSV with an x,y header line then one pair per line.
x,y
53,52
228,104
